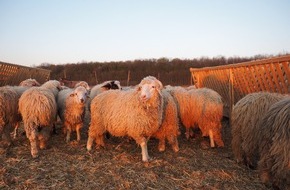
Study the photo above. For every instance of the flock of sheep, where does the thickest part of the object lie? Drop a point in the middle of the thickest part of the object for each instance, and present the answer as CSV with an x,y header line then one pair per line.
x,y
260,121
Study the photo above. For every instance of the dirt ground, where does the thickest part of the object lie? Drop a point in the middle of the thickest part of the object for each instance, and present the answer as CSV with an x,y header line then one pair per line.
x,y
119,166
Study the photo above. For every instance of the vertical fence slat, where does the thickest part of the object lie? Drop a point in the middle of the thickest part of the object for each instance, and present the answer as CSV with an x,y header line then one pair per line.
x,y
281,82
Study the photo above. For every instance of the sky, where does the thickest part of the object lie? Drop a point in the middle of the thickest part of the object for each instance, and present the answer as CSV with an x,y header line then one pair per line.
x,y
33,32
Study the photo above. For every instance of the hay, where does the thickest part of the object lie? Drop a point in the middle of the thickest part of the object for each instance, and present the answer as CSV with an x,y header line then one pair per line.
x,y
118,166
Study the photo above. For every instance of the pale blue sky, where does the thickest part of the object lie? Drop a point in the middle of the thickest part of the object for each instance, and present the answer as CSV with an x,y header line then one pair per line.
x,y
70,31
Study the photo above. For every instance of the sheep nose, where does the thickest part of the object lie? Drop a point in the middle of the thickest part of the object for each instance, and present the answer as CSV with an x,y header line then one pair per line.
x,y
82,100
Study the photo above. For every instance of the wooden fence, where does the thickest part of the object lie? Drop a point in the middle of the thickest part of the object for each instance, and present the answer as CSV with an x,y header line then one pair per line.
x,y
11,74
235,81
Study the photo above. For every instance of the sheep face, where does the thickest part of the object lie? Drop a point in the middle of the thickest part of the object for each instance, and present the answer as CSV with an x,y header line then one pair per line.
x,y
80,94
149,88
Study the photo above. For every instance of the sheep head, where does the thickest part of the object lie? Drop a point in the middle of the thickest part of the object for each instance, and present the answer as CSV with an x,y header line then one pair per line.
x,y
84,84
149,89
80,94
29,82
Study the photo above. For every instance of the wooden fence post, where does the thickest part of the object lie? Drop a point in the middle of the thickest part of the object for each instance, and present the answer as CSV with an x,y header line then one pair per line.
x,y
128,78
96,77
231,93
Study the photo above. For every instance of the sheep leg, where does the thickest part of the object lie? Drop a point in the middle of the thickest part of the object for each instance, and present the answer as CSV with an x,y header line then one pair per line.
x,y
32,136
161,145
68,135
173,142
218,139
143,144
210,133
78,129
90,143
187,133
15,132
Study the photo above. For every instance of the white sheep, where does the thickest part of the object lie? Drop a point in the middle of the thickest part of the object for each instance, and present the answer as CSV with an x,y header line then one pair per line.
x,y
136,113
38,108
71,109
201,107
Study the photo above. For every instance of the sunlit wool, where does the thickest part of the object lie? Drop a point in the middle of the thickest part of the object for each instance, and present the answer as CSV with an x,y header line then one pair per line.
x,y
83,84
136,113
274,145
169,129
9,115
38,108
71,109
245,122
200,107
29,82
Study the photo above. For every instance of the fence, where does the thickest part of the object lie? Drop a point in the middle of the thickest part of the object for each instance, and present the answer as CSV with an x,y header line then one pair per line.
x,y
11,74
235,81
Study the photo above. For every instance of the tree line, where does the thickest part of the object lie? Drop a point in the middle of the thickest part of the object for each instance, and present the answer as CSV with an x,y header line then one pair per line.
x,y
168,71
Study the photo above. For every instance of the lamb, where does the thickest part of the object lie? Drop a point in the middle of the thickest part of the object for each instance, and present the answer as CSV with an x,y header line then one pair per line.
x,y
274,145
202,107
136,113
245,125
169,128
38,109
71,109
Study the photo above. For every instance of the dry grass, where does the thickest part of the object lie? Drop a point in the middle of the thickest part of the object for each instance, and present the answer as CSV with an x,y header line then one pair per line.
x,y
119,166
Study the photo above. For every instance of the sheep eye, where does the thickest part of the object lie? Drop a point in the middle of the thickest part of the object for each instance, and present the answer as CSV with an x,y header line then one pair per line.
x,y
153,86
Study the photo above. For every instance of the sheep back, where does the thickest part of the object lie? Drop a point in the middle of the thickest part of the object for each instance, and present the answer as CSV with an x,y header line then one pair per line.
x,y
38,106
245,125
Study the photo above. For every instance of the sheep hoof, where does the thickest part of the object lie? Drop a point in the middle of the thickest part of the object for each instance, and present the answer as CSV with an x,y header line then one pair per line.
x,y
34,156
161,148
175,148
147,160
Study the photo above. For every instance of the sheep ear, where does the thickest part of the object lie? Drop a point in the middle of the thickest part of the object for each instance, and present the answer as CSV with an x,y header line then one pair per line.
x,y
160,85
